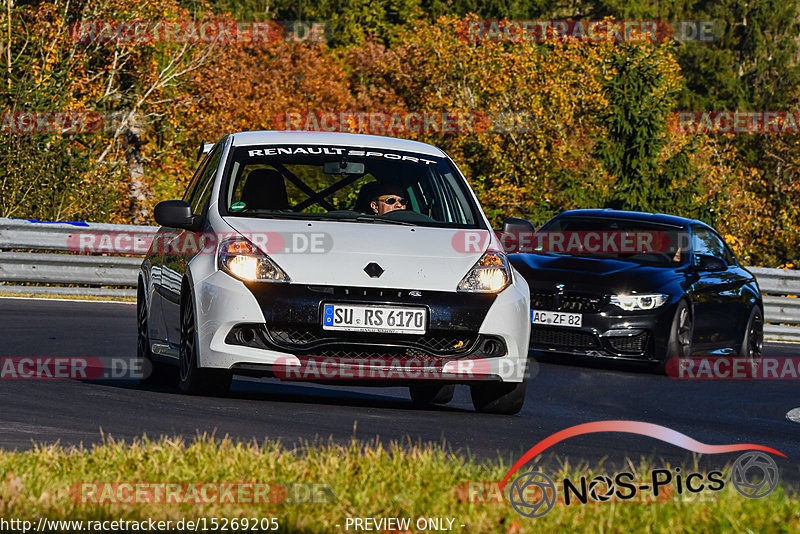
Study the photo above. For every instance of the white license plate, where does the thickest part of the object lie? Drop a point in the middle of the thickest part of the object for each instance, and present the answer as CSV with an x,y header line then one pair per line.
x,y
384,319
554,318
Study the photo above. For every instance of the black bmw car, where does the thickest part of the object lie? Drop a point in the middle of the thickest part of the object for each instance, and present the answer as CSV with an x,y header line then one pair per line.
x,y
635,286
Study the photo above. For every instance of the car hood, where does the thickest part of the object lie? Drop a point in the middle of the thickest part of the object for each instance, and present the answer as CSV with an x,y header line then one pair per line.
x,y
592,275
411,257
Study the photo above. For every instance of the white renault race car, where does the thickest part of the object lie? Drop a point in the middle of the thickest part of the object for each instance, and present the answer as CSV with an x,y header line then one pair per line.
x,y
337,258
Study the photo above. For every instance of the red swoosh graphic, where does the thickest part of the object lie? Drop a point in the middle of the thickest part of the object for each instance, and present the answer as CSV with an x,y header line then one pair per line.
x,y
633,427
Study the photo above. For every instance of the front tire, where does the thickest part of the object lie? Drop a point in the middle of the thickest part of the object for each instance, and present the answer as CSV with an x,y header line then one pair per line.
x,y
153,373
195,380
680,336
753,340
427,394
504,398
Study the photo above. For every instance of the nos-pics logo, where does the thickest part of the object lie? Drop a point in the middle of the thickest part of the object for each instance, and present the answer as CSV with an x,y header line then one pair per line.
x,y
533,493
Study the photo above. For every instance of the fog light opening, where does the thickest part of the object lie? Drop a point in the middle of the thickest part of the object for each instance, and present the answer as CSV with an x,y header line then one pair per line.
x,y
491,347
246,335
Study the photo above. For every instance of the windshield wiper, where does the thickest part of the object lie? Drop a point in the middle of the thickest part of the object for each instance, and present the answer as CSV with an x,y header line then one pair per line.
x,y
285,215
363,218
326,217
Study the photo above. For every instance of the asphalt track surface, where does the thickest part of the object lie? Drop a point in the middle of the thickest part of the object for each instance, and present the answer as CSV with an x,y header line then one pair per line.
x,y
560,395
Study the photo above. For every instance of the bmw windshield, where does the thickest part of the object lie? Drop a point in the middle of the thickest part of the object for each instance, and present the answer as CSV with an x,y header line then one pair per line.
x,y
614,238
346,183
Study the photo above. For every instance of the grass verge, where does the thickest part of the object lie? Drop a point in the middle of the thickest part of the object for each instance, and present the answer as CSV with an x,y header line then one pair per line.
x,y
367,480
57,296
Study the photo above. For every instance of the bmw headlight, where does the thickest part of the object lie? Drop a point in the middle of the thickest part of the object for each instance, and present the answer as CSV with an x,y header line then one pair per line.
x,y
490,275
639,302
241,259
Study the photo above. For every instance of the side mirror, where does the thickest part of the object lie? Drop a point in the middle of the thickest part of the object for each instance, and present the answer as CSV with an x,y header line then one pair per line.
x,y
176,214
204,149
513,224
517,235
710,263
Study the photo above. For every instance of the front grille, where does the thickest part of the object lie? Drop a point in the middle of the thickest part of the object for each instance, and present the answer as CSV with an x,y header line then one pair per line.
x,y
302,338
369,292
294,336
629,344
563,337
308,342
398,354
567,302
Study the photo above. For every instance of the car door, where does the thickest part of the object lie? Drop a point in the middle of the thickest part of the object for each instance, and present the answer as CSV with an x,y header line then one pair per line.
x,y
717,294
161,286
178,250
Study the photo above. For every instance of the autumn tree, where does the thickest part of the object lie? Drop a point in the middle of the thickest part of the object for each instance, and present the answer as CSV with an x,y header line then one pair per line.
x,y
106,173
641,86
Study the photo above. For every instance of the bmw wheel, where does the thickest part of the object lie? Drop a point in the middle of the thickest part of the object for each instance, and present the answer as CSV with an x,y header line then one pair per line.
x,y
753,340
680,336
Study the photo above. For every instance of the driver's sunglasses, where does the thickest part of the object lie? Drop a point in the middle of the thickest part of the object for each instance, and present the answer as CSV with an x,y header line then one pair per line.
x,y
392,200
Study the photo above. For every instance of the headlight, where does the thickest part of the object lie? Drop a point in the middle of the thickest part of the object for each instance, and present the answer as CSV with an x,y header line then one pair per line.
x,y
240,258
490,275
639,302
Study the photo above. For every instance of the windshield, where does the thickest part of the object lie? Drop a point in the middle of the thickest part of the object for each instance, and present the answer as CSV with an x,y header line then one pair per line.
x,y
611,238
346,183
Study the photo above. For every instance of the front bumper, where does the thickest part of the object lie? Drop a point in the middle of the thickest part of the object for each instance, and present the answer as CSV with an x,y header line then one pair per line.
x,y
275,329
608,333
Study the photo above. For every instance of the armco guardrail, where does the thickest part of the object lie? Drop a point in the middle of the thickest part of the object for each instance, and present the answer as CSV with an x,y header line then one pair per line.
x,y
781,310
94,271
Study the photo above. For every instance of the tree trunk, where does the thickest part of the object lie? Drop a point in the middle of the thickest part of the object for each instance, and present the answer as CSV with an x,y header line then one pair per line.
x,y
138,187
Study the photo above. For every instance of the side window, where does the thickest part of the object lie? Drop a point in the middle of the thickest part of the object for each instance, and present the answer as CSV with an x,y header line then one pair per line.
x,y
705,241
200,193
457,200
195,178
729,256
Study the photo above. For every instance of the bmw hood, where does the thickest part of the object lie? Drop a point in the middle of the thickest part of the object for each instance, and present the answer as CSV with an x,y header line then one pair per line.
x,y
593,275
363,254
